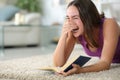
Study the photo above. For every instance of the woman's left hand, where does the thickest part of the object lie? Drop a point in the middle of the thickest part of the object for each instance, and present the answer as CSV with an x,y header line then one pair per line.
x,y
75,70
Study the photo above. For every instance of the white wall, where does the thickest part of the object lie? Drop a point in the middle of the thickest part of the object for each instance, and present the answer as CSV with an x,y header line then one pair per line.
x,y
52,13
106,6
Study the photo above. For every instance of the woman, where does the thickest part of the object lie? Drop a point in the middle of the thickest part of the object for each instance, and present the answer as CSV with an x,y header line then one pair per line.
x,y
99,36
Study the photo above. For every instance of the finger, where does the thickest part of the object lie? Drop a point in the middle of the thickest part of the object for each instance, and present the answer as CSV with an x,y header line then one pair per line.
x,y
73,70
70,72
66,29
75,65
63,73
76,68
59,73
56,73
67,22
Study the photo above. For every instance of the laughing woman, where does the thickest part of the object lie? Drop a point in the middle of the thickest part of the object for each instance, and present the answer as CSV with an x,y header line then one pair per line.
x,y
98,35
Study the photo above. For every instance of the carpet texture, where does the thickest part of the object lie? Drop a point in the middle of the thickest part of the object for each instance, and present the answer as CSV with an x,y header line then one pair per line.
x,y
27,69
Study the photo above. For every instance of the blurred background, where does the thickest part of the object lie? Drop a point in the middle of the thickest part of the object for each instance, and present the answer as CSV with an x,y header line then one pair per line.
x,y
33,27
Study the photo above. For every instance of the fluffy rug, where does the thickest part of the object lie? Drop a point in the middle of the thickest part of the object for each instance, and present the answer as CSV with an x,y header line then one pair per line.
x,y
27,69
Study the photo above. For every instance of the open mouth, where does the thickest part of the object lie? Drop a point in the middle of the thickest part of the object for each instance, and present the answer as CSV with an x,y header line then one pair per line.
x,y
74,30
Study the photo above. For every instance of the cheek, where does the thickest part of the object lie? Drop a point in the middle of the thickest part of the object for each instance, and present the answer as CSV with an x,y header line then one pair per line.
x,y
79,23
79,32
81,27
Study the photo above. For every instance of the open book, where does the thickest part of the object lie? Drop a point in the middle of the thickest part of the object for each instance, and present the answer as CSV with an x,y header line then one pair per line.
x,y
81,60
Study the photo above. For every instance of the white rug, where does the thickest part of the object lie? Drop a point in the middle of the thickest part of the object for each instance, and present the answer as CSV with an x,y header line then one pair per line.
x,y
27,69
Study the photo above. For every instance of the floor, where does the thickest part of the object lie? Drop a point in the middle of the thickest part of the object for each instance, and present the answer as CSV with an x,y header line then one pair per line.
x,y
22,52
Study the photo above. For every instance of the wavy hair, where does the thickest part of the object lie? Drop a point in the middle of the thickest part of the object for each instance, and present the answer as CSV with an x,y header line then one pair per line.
x,y
90,17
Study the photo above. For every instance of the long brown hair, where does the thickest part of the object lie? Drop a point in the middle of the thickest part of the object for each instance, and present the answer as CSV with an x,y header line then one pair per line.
x,y
90,17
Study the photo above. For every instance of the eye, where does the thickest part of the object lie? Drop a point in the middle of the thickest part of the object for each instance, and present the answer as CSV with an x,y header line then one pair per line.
x,y
66,18
76,18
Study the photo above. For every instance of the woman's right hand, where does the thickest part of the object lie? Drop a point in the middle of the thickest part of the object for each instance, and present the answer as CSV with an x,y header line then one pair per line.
x,y
67,28
65,45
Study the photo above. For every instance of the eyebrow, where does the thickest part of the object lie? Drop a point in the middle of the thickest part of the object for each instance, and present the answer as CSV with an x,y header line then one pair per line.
x,y
74,16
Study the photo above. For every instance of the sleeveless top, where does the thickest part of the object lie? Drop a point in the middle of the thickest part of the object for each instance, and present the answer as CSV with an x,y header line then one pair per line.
x,y
116,58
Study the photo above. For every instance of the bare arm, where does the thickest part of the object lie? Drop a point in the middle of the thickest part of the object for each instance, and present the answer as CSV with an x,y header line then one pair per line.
x,y
64,47
111,33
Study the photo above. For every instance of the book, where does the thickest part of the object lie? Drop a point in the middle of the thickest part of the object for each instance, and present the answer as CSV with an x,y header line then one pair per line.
x,y
80,60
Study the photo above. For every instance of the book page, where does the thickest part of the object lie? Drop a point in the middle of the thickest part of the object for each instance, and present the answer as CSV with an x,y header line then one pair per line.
x,y
79,60
58,69
70,61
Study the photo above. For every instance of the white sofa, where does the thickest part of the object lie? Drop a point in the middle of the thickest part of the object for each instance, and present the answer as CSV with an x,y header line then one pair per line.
x,y
21,35
15,35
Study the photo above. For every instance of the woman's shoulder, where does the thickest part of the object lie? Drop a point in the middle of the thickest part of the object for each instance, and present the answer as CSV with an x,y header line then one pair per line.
x,y
110,22
110,25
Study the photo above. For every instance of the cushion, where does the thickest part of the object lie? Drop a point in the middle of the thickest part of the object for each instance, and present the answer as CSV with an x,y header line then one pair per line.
x,y
7,12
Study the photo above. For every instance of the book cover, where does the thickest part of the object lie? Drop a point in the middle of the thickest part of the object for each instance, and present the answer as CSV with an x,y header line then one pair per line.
x,y
81,60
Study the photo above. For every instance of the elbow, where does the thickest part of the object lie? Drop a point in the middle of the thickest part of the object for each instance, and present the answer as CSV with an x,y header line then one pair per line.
x,y
57,63
106,66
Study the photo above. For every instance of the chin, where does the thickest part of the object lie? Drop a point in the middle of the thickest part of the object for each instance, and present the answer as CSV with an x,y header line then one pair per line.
x,y
76,35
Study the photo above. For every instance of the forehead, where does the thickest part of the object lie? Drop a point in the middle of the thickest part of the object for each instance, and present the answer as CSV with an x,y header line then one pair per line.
x,y
72,10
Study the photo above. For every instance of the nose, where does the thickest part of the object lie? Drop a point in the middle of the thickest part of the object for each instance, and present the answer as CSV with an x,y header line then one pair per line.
x,y
70,20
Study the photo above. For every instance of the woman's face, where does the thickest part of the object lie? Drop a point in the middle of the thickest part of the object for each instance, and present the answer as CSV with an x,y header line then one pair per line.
x,y
73,18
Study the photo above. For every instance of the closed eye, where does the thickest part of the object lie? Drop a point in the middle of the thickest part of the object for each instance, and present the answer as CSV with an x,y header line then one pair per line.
x,y
75,18
66,17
